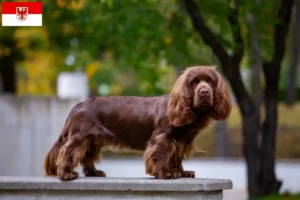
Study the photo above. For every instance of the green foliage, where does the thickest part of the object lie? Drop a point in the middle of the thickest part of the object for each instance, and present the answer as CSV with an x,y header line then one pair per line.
x,y
137,34
133,38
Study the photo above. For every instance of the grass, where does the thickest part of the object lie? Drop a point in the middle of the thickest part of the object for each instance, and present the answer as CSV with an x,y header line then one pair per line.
x,y
287,144
281,197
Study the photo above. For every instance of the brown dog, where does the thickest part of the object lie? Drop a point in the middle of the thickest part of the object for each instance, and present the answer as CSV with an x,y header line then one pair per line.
x,y
163,126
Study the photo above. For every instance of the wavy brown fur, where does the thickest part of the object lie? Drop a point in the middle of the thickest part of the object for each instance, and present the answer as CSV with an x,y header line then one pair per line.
x,y
164,127
50,160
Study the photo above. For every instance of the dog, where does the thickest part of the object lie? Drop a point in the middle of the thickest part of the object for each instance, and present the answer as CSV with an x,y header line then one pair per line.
x,y
164,127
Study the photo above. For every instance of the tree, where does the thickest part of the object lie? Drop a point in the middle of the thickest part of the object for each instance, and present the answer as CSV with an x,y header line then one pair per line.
x,y
260,156
292,79
7,62
124,30
256,61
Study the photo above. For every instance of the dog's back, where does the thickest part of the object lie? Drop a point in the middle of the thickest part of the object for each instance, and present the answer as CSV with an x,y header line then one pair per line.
x,y
115,121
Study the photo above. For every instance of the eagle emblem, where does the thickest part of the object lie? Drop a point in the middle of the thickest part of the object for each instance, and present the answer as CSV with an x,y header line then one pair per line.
x,y
22,13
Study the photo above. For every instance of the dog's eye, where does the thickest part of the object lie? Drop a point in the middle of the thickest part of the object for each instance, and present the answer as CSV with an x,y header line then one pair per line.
x,y
194,82
210,82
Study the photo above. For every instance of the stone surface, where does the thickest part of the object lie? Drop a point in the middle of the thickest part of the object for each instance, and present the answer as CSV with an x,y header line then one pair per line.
x,y
120,184
103,195
51,188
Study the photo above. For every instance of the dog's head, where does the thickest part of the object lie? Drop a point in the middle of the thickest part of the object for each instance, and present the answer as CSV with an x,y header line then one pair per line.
x,y
198,89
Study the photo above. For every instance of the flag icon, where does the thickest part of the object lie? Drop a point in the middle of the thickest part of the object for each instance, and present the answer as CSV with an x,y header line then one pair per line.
x,y
22,13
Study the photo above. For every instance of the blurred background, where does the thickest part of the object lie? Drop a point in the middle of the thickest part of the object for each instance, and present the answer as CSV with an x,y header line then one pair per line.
x,y
139,47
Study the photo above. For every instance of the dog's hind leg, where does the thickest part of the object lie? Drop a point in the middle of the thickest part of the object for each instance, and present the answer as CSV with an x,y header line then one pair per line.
x,y
69,157
88,162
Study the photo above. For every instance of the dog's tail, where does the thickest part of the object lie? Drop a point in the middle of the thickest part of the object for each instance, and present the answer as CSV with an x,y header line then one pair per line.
x,y
50,160
50,166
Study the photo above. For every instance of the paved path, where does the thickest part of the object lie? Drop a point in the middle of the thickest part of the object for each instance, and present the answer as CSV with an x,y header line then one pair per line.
x,y
235,170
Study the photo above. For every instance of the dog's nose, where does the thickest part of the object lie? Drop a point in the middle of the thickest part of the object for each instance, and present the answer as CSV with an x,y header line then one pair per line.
x,y
204,92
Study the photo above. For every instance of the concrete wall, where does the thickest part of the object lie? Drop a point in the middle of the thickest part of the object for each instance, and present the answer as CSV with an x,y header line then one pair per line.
x,y
28,128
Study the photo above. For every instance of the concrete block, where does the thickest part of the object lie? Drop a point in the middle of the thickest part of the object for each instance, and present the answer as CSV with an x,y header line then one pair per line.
x,y
51,188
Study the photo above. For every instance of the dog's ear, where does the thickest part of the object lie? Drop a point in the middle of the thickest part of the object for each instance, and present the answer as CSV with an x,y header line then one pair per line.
x,y
222,100
179,106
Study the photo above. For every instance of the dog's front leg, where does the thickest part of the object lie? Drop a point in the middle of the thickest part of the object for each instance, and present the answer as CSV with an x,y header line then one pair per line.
x,y
176,161
158,156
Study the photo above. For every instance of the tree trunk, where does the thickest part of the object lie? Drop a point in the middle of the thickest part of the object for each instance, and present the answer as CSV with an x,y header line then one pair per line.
x,y
8,76
256,89
291,86
268,180
1,83
260,165
222,139
7,69
259,156
251,129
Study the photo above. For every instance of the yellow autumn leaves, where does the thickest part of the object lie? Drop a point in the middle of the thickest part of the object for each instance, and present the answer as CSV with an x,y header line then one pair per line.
x,y
92,68
37,73
73,4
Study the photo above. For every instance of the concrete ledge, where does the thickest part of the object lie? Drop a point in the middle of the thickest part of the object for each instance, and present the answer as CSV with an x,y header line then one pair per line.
x,y
47,188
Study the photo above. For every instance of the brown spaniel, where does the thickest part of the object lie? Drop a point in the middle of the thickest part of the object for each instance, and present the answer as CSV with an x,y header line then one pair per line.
x,y
163,126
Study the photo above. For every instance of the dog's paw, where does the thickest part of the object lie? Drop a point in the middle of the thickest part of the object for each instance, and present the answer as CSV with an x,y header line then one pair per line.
x,y
166,174
171,175
67,176
179,173
188,174
97,173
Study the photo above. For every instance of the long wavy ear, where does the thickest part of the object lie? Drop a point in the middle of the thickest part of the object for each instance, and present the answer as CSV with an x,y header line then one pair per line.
x,y
222,101
179,106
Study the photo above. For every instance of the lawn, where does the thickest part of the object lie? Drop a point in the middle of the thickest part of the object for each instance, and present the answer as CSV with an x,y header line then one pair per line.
x,y
281,197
